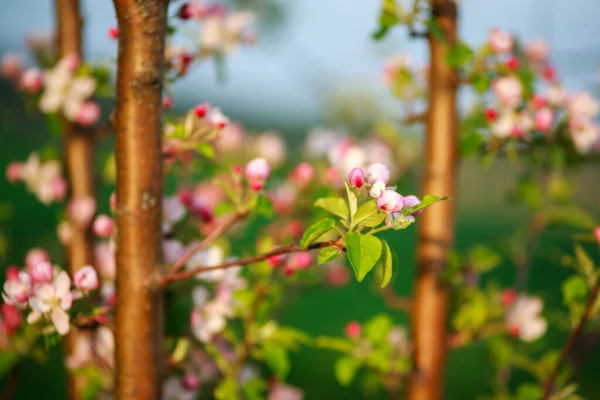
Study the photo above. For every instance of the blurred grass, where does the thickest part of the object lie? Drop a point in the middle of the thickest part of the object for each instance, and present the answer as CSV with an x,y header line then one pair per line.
x,y
482,216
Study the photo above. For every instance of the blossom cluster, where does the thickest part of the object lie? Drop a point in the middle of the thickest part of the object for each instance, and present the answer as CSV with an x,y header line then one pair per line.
x,y
43,179
66,87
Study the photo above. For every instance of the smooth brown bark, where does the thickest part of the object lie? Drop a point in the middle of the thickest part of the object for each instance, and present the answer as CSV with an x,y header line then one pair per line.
x,y
79,164
436,226
142,30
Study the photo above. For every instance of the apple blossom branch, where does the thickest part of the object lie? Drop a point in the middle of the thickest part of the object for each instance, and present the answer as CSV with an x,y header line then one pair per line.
x,y
286,249
211,237
548,387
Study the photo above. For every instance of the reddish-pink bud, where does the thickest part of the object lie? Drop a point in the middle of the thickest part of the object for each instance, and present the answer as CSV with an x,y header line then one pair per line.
x,y
257,172
549,73
113,33
514,331
275,261
12,318
512,63
81,210
353,330
36,256
42,272
190,382
538,101
32,80
201,109
89,113
14,172
185,197
12,273
491,114
508,297
103,226
356,177
184,11
86,278
302,174
237,169
544,118
597,234
294,228
167,102
300,260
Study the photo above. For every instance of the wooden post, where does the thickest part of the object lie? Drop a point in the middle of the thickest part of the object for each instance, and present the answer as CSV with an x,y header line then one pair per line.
x,y
138,336
436,226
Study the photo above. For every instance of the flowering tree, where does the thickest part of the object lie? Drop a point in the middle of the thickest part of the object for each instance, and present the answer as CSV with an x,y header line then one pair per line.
x,y
176,293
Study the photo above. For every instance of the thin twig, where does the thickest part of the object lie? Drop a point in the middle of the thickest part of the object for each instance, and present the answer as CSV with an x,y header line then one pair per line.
x,y
290,248
571,340
212,236
394,300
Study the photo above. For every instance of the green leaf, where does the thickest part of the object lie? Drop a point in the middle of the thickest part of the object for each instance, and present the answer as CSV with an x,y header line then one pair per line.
x,y
335,205
277,359
586,265
574,290
264,207
327,254
387,264
387,18
378,328
460,55
484,259
224,208
345,369
529,391
363,252
255,389
343,345
316,230
226,390
7,361
368,215
427,201
352,200
206,149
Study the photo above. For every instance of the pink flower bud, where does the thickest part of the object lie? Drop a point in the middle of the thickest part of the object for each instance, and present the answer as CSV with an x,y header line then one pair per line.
x,y
300,260
86,278
337,275
508,297
544,118
12,318
294,228
378,172
201,109
353,330
491,114
41,272
89,113
190,382
257,172
538,101
81,210
512,63
10,66
549,73
184,11
59,188
597,234
275,261
36,256
167,102
103,226
537,50
113,33
390,201
411,201
500,41
302,174
14,172
356,177
216,118
32,80
12,273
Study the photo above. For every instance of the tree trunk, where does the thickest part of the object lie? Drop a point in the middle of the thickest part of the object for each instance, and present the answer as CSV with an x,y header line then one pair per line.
x,y
138,337
436,227
79,165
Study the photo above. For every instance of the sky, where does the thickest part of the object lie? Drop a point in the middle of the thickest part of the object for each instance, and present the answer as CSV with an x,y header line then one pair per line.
x,y
324,47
